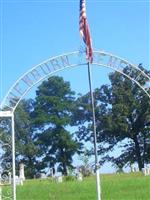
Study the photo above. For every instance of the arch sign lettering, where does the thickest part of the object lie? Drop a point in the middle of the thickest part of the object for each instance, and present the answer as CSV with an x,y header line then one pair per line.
x,y
55,64
46,69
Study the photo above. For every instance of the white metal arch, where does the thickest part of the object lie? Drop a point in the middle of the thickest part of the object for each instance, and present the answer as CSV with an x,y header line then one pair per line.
x,y
52,65
41,71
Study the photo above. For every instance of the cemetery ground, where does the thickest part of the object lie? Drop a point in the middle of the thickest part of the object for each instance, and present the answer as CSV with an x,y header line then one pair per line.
x,y
132,186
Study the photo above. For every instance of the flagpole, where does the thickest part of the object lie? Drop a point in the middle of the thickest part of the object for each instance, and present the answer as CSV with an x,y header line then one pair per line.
x,y
95,137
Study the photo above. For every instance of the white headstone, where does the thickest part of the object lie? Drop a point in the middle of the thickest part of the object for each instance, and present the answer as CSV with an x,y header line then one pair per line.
x,y
146,171
18,180
79,177
43,176
59,179
21,172
9,177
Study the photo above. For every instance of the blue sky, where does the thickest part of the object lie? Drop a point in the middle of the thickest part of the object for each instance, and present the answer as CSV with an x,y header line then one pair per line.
x,y
32,31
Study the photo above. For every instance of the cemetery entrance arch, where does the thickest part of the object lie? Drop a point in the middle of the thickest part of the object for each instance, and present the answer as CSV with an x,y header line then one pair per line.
x,y
48,68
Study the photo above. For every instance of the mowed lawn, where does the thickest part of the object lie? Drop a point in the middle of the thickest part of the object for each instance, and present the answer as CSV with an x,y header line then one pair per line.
x,y
114,187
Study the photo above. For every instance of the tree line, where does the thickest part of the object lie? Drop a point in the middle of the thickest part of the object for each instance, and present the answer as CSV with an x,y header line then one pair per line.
x,y
56,125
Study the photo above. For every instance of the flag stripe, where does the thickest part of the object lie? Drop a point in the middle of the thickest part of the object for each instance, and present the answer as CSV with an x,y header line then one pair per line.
x,y
85,31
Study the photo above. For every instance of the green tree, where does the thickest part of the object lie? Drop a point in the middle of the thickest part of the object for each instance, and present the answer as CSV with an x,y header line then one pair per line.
x,y
52,116
26,149
130,115
122,118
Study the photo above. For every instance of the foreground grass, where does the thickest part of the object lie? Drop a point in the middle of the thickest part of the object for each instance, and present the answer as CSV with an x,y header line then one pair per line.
x,y
114,187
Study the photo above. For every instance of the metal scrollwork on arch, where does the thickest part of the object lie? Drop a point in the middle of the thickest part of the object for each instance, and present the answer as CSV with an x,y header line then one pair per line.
x,y
73,59
5,163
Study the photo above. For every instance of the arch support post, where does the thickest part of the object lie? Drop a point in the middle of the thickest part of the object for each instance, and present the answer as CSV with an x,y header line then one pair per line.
x,y
13,156
10,115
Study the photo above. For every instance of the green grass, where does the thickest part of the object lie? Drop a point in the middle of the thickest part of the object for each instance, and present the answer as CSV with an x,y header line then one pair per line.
x,y
114,187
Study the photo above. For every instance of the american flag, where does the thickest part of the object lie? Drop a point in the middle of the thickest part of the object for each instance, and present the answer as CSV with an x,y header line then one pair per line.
x,y
85,31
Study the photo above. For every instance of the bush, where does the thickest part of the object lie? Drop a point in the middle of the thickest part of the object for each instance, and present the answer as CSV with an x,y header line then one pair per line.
x,y
85,170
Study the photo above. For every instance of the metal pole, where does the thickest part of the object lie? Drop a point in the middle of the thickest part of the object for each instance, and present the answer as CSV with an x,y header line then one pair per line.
x,y
95,138
13,157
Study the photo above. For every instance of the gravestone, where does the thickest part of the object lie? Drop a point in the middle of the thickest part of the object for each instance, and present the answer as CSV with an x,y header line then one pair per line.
x,y
9,177
43,176
59,179
79,176
21,172
18,180
146,171
133,169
